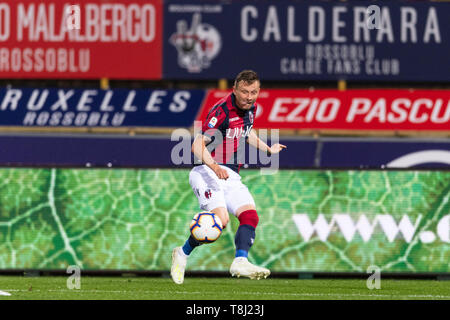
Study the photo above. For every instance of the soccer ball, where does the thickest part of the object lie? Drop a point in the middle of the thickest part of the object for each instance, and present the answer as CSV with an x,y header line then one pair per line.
x,y
206,227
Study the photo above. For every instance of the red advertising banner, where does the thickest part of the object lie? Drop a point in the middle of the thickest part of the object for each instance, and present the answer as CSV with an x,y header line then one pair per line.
x,y
85,39
374,109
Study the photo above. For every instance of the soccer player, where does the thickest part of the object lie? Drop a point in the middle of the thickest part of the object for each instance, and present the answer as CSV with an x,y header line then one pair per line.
x,y
216,181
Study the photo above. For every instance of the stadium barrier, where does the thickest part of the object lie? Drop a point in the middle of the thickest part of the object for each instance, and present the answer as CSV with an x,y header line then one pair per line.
x,y
44,150
310,220
190,40
294,111
125,206
315,217
306,40
86,40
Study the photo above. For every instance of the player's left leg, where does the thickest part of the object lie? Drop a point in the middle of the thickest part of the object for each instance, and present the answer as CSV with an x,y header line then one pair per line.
x,y
181,254
246,232
241,204
245,236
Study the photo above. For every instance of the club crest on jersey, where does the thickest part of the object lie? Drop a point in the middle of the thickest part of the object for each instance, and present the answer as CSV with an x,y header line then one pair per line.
x,y
250,117
212,122
208,194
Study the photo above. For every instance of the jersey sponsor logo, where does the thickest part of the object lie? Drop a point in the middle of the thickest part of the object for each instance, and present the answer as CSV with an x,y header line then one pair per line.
x,y
212,122
237,133
196,46
234,119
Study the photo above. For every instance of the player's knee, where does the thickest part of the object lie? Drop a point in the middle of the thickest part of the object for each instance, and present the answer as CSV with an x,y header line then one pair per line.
x,y
249,217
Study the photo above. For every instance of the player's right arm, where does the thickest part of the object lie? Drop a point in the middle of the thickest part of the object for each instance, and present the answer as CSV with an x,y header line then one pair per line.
x,y
201,152
210,128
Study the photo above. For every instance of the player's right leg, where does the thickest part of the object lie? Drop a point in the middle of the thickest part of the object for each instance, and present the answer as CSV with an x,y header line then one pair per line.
x,y
210,196
191,243
180,255
179,261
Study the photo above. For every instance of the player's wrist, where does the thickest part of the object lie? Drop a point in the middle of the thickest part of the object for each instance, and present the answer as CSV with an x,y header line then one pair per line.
x,y
214,165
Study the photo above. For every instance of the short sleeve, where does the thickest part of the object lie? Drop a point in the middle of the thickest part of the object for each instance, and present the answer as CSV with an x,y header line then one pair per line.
x,y
216,117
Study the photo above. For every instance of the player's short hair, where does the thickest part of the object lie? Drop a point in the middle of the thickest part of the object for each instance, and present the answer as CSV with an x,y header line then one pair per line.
x,y
248,76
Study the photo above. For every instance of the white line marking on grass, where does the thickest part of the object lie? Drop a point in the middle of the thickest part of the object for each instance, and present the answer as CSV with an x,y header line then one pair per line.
x,y
212,293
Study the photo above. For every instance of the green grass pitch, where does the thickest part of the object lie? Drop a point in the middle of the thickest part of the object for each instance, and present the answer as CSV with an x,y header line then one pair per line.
x,y
195,288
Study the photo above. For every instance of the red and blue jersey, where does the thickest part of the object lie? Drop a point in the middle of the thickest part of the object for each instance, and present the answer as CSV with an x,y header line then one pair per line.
x,y
228,127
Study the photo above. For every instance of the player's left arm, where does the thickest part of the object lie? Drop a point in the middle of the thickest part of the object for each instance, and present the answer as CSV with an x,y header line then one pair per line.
x,y
256,142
